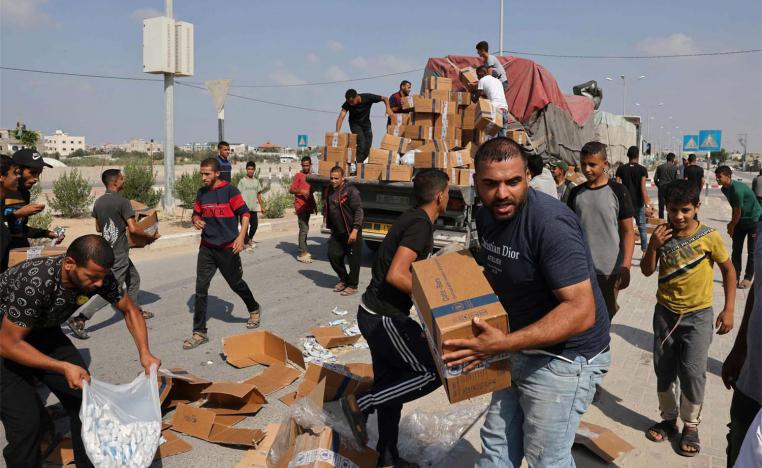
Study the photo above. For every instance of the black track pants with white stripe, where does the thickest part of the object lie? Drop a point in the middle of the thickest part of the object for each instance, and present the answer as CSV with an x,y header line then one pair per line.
x,y
403,371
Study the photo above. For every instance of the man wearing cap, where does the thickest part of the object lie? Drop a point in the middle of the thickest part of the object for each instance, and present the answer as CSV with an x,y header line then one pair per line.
x,y
18,207
559,169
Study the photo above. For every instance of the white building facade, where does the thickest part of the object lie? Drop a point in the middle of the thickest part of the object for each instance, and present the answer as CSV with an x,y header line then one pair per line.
x,y
62,143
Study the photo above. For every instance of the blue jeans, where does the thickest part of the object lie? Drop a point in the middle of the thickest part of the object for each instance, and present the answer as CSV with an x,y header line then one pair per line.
x,y
640,219
539,414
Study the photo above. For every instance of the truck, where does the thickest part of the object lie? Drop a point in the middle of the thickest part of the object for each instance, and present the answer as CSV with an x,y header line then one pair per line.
x,y
557,126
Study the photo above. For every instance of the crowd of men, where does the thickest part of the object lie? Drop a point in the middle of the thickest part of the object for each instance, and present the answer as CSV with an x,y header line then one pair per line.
x,y
561,255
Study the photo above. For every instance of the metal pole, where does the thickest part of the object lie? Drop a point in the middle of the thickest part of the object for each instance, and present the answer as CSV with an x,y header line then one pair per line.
x,y
501,27
221,125
169,132
624,97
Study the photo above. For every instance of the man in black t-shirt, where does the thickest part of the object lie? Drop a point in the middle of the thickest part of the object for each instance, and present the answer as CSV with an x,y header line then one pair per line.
x,y
536,259
694,173
665,173
403,369
633,176
358,106
38,296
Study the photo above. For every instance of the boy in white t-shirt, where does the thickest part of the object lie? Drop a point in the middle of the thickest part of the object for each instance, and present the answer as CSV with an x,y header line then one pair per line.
x,y
491,88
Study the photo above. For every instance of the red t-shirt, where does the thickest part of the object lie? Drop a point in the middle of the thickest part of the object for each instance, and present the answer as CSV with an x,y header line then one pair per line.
x,y
303,204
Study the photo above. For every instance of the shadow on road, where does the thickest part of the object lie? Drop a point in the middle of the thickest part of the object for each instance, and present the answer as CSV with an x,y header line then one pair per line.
x,y
644,340
611,405
321,280
217,308
147,297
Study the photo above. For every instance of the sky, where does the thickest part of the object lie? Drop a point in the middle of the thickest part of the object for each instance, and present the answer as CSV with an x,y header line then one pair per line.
x,y
256,42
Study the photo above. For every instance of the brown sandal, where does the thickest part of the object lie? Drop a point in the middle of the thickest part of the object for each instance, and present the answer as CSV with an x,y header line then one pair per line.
x,y
348,291
254,319
339,287
195,341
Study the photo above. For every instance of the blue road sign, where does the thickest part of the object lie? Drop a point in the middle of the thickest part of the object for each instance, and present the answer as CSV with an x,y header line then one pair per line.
x,y
710,140
690,142
301,141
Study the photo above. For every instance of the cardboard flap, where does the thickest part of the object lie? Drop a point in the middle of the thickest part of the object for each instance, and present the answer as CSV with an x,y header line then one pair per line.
x,y
601,441
235,436
289,398
179,386
63,454
233,398
333,337
173,446
234,389
261,347
338,380
193,421
273,378
257,458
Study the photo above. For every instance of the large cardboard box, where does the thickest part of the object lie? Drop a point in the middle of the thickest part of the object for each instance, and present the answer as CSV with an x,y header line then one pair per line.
x,y
22,254
434,145
519,136
324,167
341,140
419,132
460,158
146,219
341,155
437,82
395,143
468,77
432,106
423,118
396,130
400,118
397,173
438,94
448,292
487,118
369,171
340,380
431,159
468,116
461,99
260,347
228,398
382,156
179,386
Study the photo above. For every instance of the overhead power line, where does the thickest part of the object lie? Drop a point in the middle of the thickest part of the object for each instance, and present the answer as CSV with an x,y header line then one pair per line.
x,y
262,101
635,57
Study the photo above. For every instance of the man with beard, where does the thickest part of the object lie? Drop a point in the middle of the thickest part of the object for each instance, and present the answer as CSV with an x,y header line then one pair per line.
x,y
559,339
395,100
38,296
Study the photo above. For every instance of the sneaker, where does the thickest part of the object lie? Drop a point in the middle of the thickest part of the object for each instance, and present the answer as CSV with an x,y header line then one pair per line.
x,y
77,327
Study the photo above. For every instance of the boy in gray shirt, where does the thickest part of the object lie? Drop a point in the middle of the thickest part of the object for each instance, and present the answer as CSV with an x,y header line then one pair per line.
x,y
496,68
605,213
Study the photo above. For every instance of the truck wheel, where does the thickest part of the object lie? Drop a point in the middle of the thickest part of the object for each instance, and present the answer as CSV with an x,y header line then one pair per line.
x,y
373,245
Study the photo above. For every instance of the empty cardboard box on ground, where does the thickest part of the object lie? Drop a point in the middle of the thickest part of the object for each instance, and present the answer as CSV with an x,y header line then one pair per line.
x,y
448,292
147,220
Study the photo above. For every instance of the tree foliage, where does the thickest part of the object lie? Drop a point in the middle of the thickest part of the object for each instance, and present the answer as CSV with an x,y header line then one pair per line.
x,y
71,195
139,180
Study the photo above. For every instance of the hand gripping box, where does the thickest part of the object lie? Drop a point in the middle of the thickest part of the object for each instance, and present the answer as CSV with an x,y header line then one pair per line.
x,y
448,292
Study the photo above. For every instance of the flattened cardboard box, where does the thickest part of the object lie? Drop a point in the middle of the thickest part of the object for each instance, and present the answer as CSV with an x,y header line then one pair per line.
x,y
180,387
340,380
324,167
601,441
437,82
448,292
395,143
382,156
231,398
366,171
273,378
206,425
173,446
22,254
333,337
260,347
146,219
397,173
341,140
341,155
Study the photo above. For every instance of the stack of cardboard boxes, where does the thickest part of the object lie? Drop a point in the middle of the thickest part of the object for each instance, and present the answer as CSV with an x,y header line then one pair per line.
x,y
443,126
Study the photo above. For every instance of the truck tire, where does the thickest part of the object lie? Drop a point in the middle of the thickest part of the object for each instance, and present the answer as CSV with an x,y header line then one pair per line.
x,y
372,245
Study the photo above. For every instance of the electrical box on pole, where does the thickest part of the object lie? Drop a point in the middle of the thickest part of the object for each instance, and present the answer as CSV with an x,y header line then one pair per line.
x,y
167,46
183,48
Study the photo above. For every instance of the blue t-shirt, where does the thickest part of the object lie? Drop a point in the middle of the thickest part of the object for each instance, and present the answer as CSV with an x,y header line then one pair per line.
x,y
541,249
226,168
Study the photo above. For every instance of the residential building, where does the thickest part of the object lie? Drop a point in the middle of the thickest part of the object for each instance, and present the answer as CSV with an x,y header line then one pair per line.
x,y
63,143
140,145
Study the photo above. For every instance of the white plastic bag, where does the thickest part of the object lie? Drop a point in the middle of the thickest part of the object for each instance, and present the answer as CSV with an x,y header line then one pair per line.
x,y
121,424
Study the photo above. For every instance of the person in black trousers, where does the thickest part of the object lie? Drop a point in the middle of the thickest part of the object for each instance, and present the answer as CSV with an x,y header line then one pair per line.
x,y
403,369
665,173
343,214
358,106
38,296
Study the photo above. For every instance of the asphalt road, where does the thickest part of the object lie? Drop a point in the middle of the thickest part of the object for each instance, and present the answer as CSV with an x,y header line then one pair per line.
x,y
294,297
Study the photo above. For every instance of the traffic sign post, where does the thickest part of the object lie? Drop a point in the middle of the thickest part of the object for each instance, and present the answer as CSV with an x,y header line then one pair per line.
x,y
710,140
301,141
690,143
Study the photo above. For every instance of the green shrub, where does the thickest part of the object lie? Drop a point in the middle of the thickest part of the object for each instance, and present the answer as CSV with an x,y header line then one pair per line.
x,y
139,180
186,187
71,195
277,203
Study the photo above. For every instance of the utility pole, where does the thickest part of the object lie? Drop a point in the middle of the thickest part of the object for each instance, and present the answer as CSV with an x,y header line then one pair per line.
x,y
168,201
218,89
501,26
742,141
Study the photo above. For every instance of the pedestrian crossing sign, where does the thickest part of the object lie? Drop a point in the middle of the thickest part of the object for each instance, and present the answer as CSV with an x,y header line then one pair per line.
x,y
301,141
710,140
690,142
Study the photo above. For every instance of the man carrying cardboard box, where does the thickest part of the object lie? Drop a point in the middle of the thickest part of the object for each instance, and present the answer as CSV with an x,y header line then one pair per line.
x,y
395,100
358,106
538,263
403,369
343,214
495,68
490,88
113,218
38,296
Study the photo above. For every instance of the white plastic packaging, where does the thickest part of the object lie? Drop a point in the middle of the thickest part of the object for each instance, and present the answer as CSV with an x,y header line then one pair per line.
x,y
121,424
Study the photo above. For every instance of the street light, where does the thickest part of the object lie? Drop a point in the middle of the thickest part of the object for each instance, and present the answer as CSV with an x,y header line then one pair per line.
x,y
624,93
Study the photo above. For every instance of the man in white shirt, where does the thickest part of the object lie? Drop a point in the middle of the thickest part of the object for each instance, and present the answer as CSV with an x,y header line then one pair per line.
x,y
491,88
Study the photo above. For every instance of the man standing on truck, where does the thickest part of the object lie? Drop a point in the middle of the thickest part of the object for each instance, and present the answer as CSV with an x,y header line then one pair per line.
x,y
343,216
304,205
358,106
559,339
490,88
495,67
403,369
395,100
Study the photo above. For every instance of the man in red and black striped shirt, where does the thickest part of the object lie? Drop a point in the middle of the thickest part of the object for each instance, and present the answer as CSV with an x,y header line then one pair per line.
x,y
216,211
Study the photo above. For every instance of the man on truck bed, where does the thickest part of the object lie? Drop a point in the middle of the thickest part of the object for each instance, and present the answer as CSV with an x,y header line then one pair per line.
x,y
358,106
395,100
490,88
495,67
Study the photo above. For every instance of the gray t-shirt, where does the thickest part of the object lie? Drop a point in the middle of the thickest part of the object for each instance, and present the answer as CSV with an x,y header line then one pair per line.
x,y
495,64
750,380
111,211
600,209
